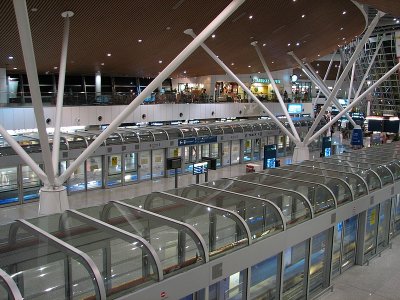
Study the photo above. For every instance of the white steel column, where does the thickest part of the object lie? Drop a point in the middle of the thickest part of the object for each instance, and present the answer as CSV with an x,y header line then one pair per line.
x,y
24,29
244,87
351,81
232,7
359,98
342,77
326,90
310,73
278,94
325,77
369,67
60,92
24,156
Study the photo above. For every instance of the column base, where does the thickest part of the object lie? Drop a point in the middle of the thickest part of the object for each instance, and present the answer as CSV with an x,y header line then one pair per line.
x,y
53,200
301,153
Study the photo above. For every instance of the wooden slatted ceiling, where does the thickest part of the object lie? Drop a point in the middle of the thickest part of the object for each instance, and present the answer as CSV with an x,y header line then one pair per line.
x,y
102,26
391,7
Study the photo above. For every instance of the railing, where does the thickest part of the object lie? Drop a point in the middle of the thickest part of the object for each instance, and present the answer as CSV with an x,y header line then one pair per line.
x,y
119,98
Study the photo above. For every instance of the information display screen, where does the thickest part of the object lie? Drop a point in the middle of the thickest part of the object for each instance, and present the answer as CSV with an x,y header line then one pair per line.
x,y
328,152
200,168
295,108
270,156
326,146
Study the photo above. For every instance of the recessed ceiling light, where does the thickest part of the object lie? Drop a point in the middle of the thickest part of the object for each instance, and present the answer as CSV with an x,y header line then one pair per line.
x,y
15,68
344,12
303,16
264,45
102,64
184,72
288,44
11,57
319,55
317,72
249,66
343,39
160,61
317,65
55,68
232,64
294,0
297,44
397,22
108,54
34,9
168,28
250,17
139,41
341,28
273,62
213,36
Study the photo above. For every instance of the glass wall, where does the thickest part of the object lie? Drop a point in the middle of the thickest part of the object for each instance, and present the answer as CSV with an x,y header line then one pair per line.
x,y
131,170
94,169
349,243
247,153
230,288
145,165
257,149
371,232
158,163
396,215
264,279
9,186
320,263
235,152
295,261
215,152
30,184
226,153
77,181
383,228
114,174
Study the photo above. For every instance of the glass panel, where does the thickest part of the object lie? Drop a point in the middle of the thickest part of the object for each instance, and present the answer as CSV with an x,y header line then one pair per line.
x,y
235,154
114,176
9,186
396,213
320,263
295,269
221,230
337,245
231,288
30,184
130,160
214,153
205,150
256,149
247,145
261,217
190,158
77,181
349,242
263,279
383,228
144,165
281,144
226,153
94,168
371,232
158,163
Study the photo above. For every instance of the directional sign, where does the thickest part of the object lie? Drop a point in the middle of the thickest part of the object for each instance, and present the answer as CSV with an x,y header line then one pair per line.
x,y
197,140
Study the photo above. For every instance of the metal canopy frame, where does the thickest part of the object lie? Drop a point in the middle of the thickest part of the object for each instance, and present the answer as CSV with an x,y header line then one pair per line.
x,y
63,247
178,225
115,232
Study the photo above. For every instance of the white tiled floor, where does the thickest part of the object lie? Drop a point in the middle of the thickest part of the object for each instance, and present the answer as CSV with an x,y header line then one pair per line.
x,y
378,281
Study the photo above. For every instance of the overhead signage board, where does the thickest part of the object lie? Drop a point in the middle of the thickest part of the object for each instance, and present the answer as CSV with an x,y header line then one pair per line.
x,y
197,140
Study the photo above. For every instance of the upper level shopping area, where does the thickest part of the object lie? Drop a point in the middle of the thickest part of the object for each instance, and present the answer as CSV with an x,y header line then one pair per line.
x,y
282,233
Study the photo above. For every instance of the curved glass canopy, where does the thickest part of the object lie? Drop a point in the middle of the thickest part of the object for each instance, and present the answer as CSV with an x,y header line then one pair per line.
x,y
262,217
293,205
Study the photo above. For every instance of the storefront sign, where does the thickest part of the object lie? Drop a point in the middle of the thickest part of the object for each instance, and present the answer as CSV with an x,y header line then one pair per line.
x,y
265,80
